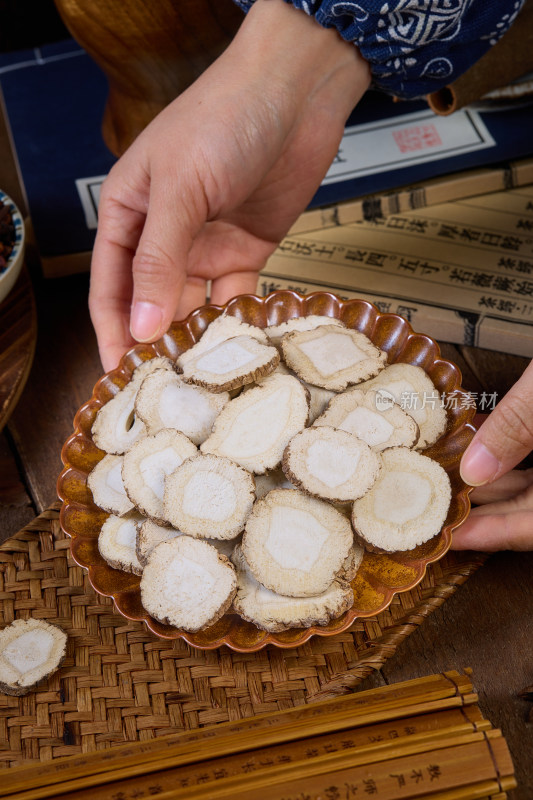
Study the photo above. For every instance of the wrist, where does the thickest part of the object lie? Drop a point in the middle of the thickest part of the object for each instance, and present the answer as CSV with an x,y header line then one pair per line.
x,y
287,51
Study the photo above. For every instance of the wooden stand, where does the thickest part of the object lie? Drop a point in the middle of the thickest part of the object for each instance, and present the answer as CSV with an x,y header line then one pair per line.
x,y
150,52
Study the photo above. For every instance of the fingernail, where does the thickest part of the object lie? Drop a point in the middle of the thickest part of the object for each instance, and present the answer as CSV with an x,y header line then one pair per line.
x,y
478,465
145,323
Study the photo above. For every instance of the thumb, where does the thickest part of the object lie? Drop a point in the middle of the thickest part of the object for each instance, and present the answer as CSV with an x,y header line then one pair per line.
x,y
505,438
160,262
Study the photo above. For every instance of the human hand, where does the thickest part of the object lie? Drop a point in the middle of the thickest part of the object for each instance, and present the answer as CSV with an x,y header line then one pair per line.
x,y
213,184
503,520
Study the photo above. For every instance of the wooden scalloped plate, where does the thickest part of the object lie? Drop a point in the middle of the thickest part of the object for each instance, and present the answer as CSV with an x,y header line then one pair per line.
x,y
380,576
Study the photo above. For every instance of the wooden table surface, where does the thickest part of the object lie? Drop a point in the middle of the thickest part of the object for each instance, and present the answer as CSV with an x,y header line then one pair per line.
x,y
487,624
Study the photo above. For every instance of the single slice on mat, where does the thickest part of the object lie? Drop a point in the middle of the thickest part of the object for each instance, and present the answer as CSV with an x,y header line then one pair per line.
x,y
149,535
232,363
166,401
117,542
407,505
187,583
147,465
331,464
222,328
107,487
276,612
30,650
410,387
276,332
116,427
254,428
209,497
294,544
332,357
379,423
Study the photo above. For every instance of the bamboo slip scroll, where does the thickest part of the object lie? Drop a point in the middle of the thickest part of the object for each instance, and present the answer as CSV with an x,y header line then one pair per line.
x,y
424,739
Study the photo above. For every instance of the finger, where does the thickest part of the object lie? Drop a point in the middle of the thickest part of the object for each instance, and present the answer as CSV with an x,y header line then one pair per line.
x,y
505,438
119,229
494,532
160,262
193,296
504,488
228,286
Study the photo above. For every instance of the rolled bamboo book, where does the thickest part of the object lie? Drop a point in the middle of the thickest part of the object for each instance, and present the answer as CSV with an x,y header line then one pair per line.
x,y
424,738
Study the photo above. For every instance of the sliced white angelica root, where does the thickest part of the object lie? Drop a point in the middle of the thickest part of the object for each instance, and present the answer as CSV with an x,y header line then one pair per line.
x,y
352,562
410,387
149,535
232,363
407,505
275,612
379,422
276,332
30,650
222,328
254,428
166,401
117,542
116,427
209,497
294,544
187,583
147,465
107,487
330,464
332,357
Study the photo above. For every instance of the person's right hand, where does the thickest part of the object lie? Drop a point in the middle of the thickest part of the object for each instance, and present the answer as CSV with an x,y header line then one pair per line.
x,y
213,184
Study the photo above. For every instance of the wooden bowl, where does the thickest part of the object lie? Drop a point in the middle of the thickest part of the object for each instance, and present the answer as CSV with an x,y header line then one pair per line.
x,y
380,576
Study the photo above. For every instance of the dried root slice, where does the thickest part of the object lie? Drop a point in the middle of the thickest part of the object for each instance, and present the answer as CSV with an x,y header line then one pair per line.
x,y
30,650
319,400
147,465
222,328
276,332
294,544
254,429
149,535
117,542
209,496
379,423
407,505
275,612
352,562
116,427
166,401
332,357
330,464
107,487
232,363
187,583
410,387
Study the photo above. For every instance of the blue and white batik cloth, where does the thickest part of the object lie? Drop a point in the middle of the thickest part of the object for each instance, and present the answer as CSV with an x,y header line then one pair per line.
x,y
414,47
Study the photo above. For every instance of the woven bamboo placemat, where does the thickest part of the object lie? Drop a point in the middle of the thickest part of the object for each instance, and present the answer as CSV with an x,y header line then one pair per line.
x,y
120,683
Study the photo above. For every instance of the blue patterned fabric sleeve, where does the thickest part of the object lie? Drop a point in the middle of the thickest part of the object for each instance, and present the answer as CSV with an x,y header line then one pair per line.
x,y
414,47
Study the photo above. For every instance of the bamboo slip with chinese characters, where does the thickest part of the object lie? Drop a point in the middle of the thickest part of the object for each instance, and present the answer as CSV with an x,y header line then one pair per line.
x,y
424,738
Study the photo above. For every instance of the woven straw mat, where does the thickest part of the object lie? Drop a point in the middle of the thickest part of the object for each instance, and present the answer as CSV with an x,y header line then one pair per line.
x,y
120,683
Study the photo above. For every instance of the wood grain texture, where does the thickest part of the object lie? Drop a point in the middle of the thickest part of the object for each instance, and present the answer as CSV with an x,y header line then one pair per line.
x,y
18,336
150,52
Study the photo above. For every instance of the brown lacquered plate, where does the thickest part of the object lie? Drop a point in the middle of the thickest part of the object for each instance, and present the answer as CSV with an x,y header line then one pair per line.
x,y
380,576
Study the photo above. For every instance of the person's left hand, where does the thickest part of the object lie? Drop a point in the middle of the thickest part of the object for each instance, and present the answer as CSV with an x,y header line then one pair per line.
x,y
503,518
